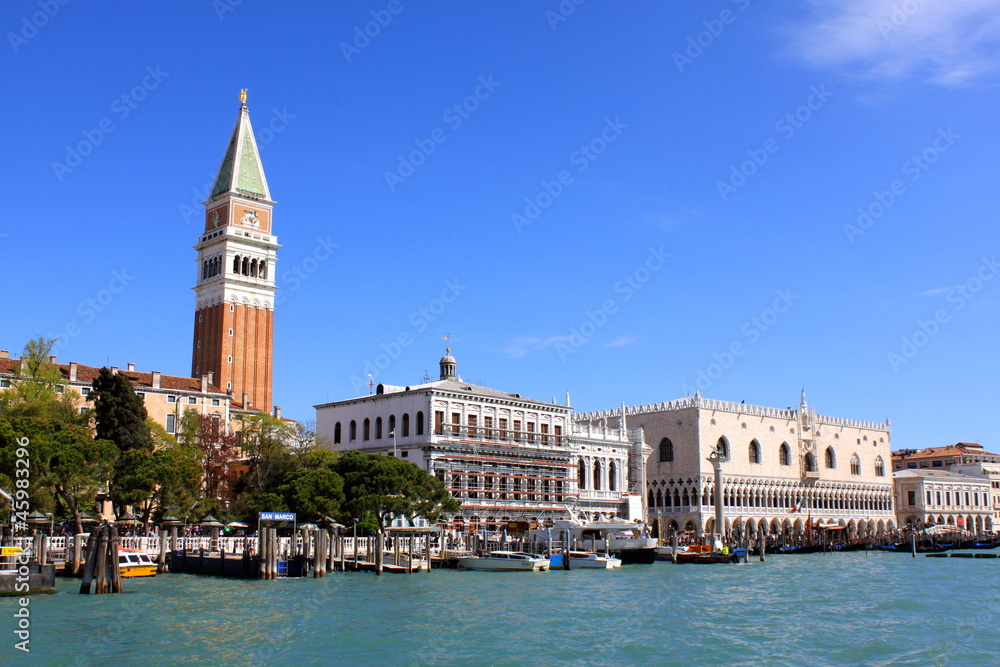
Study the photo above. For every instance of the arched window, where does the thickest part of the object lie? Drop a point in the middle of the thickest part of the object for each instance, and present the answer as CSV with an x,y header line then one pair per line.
x,y
754,451
879,467
666,451
368,430
784,454
597,475
392,424
336,434
354,430
204,270
659,498
855,465
378,428
236,264
651,499
263,269
612,482
253,268
830,458
722,446
810,462
406,424
420,423
245,269
582,482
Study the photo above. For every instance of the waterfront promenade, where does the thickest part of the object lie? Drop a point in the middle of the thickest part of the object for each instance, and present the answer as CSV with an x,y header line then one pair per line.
x,y
821,609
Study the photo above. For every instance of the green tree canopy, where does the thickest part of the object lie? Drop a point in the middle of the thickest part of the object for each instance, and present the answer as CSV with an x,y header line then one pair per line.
x,y
38,389
387,486
119,413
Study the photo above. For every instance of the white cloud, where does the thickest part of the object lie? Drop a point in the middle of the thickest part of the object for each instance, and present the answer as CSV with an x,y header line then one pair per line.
x,y
937,291
943,41
622,341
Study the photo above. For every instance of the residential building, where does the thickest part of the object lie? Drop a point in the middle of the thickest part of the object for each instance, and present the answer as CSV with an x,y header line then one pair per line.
x,y
784,469
961,453
506,457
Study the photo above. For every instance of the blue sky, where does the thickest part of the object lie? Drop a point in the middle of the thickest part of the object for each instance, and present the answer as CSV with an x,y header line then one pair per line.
x,y
632,200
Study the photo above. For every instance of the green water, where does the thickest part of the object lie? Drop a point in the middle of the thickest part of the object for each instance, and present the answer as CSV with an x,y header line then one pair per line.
x,y
821,609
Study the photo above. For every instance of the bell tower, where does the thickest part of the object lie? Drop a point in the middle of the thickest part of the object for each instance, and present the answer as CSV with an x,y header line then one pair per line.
x,y
234,289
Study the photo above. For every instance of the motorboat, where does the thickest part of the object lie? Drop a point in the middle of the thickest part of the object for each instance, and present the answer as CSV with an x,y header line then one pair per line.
x,y
626,540
132,563
590,559
503,561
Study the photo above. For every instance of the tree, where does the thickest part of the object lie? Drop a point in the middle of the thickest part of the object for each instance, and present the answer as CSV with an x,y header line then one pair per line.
x,y
313,491
386,486
217,450
119,413
64,457
37,391
265,441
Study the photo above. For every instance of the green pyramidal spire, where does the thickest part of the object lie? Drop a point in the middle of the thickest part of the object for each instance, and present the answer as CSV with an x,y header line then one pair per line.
x,y
241,171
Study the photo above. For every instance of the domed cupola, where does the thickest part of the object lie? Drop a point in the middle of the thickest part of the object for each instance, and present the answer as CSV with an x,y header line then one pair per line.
x,y
448,366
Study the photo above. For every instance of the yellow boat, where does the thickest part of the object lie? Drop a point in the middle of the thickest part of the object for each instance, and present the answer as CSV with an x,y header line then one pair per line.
x,y
134,563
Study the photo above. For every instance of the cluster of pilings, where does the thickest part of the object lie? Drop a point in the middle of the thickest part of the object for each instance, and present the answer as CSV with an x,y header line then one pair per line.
x,y
102,562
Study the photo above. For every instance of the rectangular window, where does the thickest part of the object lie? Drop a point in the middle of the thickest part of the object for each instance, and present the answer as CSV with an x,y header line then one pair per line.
x,y
531,431
947,497
215,401
911,498
171,399
503,428
6,383
439,422
938,497
558,430
85,391
545,434
936,464
928,497
456,423
472,426
171,424
141,395
517,431
192,400
60,389
488,427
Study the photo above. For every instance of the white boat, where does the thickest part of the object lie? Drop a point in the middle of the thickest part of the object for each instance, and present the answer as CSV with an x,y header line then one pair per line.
x,y
579,559
626,540
504,560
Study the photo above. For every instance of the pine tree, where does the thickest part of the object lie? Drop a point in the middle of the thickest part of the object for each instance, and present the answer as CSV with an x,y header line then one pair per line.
x,y
119,413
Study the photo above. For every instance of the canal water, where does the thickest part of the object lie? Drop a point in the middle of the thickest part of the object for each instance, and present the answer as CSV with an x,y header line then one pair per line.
x,y
820,609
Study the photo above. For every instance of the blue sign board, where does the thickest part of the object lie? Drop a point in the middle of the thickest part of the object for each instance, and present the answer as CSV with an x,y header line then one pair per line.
x,y
276,516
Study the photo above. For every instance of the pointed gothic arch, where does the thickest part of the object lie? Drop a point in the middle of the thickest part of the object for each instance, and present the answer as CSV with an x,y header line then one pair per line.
x,y
754,452
785,454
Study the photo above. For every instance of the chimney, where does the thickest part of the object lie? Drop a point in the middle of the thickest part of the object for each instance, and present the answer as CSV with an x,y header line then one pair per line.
x,y
246,400
211,377
131,366
204,384
73,366
114,370
156,378
277,411
4,354
52,359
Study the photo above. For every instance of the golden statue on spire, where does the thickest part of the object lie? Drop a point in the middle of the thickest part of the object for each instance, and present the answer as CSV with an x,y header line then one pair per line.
x,y
243,96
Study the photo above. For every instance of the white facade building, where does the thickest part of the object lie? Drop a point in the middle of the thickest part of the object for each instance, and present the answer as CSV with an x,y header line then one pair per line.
x,y
785,468
943,497
504,456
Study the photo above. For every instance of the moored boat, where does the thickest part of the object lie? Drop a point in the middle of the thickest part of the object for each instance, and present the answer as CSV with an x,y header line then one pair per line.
x,y
498,561
707,557
590,559
132,563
